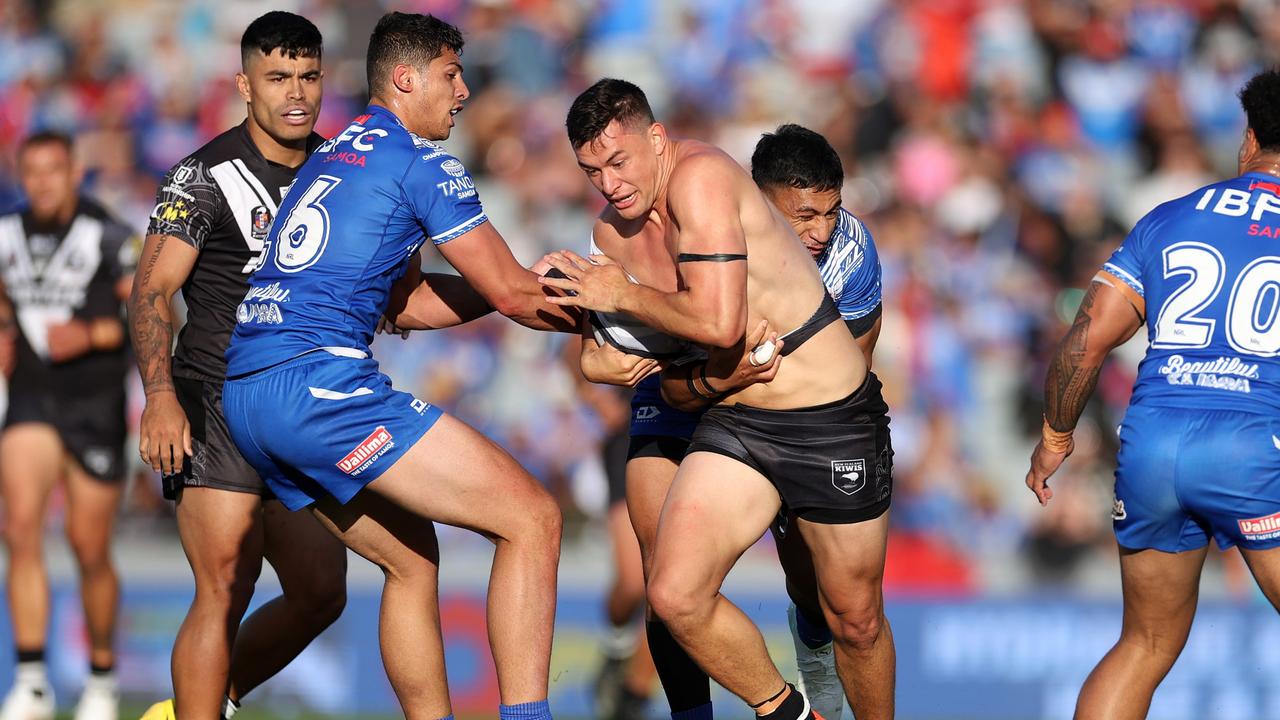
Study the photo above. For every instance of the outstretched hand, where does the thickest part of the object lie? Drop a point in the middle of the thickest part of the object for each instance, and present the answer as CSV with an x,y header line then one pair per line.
x,y
598,283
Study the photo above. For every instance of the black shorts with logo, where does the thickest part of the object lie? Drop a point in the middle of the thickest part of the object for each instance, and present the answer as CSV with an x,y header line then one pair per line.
x,y
831,463
216,463
91,426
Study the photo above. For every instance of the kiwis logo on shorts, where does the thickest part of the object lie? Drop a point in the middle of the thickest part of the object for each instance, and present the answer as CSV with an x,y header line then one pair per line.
x,y
849,476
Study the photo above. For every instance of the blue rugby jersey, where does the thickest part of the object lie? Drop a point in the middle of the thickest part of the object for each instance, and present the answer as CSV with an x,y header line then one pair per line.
x,y
1207,267
850,268
359,208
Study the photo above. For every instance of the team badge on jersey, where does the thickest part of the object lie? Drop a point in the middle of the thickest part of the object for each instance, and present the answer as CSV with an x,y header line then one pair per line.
x,y
849,476
261,217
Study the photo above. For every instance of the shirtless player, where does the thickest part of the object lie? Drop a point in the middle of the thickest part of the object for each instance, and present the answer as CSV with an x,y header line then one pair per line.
x,y
814,440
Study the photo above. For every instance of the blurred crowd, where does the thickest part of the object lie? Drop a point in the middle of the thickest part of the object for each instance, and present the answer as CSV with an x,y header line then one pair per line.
x,y
998,150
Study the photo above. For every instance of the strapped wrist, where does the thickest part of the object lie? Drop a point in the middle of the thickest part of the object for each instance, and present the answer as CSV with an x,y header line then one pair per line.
x,y
1054,440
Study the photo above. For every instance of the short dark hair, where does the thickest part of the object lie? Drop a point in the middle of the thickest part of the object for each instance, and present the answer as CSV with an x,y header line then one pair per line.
x,y
46,137
608,100
291,34
1260,98
407,38
795,156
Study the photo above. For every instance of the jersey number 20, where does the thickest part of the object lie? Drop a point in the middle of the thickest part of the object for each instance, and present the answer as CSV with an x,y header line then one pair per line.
x,y
305,232
1253,310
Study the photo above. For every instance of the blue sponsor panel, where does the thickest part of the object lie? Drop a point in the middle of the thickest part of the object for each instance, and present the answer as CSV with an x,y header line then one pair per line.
x,y
1015,659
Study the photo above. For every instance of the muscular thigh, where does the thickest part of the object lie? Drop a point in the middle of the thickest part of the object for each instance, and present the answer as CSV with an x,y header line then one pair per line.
x,y
716,509
220,530
300,549
848,560
383,533
649,479
31,462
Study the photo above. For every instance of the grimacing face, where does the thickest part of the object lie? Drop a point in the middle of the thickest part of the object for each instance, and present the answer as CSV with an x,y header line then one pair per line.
x,y
283,94
622,163
48,176
441,96
813,214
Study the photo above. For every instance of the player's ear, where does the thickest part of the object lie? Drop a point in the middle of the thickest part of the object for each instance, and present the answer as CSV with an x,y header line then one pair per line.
x,y
404,77
242,86
658,137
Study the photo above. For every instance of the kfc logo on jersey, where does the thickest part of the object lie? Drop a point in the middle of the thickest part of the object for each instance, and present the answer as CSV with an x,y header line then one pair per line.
x,y
364,454
1260,528
355,134
848,476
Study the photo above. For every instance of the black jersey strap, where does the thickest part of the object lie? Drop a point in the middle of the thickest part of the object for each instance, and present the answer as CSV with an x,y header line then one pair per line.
x,y
826,314
709,257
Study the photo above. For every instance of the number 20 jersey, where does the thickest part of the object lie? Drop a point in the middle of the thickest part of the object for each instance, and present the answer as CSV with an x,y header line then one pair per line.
x,y
360,207
1207,266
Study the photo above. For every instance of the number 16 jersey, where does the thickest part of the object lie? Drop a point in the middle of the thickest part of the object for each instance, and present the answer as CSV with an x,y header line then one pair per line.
x,y
361,206
1207,268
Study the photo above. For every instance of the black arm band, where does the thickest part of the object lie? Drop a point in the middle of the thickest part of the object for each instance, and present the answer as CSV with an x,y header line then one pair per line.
x,y
711,257
694,388
863,325
702,373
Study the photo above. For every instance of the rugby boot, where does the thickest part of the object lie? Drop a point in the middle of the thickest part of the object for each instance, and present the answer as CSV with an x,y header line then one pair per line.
x,y
817,678
28,701
100,699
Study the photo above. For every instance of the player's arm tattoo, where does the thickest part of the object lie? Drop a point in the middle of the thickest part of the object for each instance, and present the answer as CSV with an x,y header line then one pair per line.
x,y
1072,375
151,326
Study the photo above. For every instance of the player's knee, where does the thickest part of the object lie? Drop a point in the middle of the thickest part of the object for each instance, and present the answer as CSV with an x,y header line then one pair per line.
x,y
92,550
23,536
858,629
542,521
673,602
227,583
326,598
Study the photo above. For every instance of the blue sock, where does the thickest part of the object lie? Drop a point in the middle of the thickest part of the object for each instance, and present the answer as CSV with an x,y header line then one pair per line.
x,y
813,634
702,712
538,710
447,717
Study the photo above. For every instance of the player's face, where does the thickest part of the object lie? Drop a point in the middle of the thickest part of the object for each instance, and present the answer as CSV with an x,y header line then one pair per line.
x,y
813,214
48,176
623,165
441,96
283,94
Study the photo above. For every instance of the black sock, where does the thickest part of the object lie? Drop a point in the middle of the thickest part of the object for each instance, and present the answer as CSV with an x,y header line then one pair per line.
x,y
96,669
684,683
28,656
793,707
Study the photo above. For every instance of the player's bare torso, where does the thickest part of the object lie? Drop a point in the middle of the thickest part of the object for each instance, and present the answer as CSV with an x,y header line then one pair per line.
x,y
783,284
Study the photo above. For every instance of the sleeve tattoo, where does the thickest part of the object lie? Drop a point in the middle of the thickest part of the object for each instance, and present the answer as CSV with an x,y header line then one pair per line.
x,y
1071,379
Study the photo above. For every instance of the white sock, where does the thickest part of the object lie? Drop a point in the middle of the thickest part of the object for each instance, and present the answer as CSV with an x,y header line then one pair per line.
x,y
229,708
31,674
101,682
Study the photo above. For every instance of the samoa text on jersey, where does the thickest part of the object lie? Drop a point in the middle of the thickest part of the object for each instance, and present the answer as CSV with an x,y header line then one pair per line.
x,y
361,206
1207,266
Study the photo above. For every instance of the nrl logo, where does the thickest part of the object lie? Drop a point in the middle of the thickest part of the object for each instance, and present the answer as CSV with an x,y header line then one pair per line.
x,y
848,476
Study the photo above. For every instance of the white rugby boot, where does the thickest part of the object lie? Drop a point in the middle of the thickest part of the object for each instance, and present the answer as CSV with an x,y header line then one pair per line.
x,y
28,701
817,678
100,699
